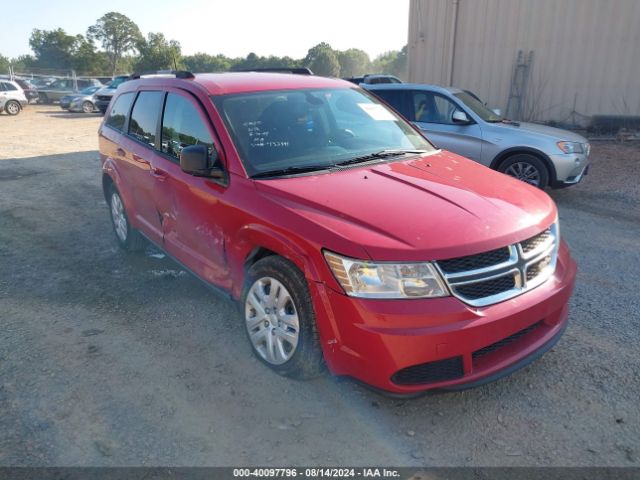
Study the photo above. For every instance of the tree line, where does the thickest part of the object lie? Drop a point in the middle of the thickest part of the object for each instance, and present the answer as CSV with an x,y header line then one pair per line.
x,y
114,45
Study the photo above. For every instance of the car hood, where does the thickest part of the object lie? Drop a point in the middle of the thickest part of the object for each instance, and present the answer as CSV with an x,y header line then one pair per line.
x,y
108,91
537,129
428,208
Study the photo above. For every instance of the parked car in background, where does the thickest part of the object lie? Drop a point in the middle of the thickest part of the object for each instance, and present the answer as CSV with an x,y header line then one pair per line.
x,y
346,238
81,101
65,86
103,96
12,97
457,121
374,78
30,91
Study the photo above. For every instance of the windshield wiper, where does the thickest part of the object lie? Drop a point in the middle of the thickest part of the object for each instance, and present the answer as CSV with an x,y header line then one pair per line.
x,y
291,170
382,154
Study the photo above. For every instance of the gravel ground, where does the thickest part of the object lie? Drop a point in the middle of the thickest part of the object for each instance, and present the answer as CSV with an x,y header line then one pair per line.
x,y
109,358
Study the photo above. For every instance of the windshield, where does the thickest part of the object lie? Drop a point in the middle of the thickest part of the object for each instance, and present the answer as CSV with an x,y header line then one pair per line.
x,y
314,128
116,81
478,107
89,90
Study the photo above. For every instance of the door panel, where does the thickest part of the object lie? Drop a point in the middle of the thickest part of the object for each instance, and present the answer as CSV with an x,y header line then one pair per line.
x,y
136,152
433,115
192,208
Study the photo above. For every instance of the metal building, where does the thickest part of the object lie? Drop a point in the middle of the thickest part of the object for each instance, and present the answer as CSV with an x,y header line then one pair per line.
x,y
562,60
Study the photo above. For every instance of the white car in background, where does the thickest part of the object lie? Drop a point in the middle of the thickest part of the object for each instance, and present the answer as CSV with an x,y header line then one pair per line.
x,y
12,97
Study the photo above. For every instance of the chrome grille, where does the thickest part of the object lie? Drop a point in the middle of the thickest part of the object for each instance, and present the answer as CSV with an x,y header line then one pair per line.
x,y
500,274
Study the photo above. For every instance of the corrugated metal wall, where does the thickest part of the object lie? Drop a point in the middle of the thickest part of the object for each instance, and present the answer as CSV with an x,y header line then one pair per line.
x,y
586,53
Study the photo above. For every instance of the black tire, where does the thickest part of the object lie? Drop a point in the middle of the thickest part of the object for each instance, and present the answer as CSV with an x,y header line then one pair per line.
x,y
87,107
12,107
131,241
306,361
527,168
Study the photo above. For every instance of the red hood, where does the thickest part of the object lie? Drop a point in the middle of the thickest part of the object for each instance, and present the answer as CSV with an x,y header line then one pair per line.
x,y
434,207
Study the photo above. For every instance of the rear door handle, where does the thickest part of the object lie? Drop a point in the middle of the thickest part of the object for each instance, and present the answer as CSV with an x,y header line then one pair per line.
x,y
139,159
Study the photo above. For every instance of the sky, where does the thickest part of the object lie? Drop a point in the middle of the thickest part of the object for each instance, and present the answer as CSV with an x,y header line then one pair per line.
x,y
231,27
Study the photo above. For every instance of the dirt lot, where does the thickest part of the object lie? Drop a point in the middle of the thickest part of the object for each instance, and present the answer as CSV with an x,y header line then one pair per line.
x,y
115,359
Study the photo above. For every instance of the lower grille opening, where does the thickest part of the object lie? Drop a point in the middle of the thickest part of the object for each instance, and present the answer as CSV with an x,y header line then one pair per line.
x,y
486,288
438,371
504,342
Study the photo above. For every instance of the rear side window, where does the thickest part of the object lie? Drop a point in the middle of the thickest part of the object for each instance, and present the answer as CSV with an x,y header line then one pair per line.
x,y
10,86
397,99
182,126
120,111
144,117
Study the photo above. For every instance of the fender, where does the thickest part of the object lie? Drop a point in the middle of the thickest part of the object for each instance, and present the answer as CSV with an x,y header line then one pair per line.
x,y
110,174
515,150
253,236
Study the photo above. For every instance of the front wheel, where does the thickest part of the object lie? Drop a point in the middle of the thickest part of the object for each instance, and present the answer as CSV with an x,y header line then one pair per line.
x,y
128,237
87,107
527,168
12,107
280,320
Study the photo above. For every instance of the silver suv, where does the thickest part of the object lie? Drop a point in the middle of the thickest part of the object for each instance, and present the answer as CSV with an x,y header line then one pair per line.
x,y
12,97
458,121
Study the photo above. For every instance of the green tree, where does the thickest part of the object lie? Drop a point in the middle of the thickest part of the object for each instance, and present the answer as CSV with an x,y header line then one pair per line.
x,y
203,62
118,35
158,53
353,62
87,61
23,63
322,60
393,62
4,64
53,48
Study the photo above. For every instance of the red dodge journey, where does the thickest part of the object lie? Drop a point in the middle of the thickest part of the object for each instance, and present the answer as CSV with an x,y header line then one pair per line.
x,y
348,240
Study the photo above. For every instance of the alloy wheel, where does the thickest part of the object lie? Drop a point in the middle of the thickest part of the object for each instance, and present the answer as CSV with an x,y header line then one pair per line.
x,y
525,172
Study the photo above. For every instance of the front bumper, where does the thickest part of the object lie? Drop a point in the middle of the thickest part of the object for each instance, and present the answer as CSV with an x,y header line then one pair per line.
x,y
409,346
569,168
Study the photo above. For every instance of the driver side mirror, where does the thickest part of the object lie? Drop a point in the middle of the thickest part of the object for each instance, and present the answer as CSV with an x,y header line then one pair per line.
x,y
195,160
460,117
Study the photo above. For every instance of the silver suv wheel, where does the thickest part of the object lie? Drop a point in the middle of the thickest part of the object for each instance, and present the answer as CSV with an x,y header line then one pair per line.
x,y
525,172
272,320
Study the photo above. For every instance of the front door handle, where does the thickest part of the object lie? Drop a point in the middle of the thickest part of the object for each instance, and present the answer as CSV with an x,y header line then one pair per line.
x,y
159,174
121,152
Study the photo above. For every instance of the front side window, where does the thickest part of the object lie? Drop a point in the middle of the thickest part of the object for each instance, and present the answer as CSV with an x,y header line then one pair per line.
x,y
144,117
119,111
313,128
431,107
182,126
478,107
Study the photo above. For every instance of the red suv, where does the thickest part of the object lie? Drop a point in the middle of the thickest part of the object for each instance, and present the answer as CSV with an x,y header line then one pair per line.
x,y
346,238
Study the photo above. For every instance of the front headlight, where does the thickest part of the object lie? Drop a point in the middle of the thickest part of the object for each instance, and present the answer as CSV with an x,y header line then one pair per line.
x,y
570,147
361,278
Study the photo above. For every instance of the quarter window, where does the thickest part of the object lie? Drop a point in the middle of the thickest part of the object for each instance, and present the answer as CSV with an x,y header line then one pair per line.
x,y
182,126
9,86
144,117
120,111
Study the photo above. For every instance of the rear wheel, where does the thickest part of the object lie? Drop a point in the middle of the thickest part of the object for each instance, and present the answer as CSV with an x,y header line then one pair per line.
x,y
527,168
280,320
87,107
12,107
128,237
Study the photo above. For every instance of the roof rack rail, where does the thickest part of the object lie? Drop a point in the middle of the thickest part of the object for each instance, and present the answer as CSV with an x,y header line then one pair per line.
x,y
294,70
160,73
